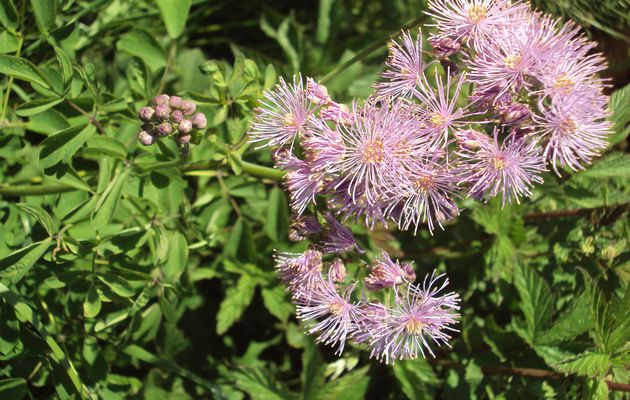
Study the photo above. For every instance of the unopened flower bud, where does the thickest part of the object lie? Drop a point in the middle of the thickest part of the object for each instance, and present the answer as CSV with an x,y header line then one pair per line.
x,y
199,121
185,127
177,116
164,129
514,114
146,138
316,93
188,107
303,226
162,112
183,139
409,273
470,139
146,113
175,101
337,271
444,46
161,99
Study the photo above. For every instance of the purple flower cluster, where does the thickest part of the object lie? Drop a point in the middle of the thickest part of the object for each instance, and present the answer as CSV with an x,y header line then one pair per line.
x,y
412,148
401,328
171,116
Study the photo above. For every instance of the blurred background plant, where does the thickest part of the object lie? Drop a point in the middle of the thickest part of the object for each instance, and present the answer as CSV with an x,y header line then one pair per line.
x,y
127,271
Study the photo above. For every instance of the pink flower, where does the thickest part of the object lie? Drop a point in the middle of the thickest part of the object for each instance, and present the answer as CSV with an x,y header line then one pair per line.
x,y
385,273
404,67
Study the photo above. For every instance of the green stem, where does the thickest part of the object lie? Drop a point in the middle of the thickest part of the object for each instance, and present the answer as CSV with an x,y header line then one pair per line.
x,y
34,190
370,49
262,172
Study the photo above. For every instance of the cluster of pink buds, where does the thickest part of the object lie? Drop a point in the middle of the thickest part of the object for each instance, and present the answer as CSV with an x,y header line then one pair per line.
x,y
173,117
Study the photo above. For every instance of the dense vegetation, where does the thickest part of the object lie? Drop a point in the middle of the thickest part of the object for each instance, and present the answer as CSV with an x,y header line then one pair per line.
x,y
134,272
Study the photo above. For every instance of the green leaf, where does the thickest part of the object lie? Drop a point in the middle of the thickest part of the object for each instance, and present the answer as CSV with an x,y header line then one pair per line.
x,y
9,329
351,386
142,44
571,324
588,364
20,68
275,300
240,244
63,173
65,64
104,145
108,201
37,106
615,165
63,145
117,284
323,21
177,257
313,368
92,303
45,11
174,14
15,265
277,223
270,76
620,107
260,386
8,14
414,376
13,388
536,301
42,216
235,302
282,37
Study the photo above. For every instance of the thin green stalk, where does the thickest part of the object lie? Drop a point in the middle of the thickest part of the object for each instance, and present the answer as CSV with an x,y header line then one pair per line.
x,y
370,49
34,190
261,171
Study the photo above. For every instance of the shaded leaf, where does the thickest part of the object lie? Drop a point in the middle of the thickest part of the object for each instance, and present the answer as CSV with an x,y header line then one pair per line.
x,y
235,302
20,68
63,145
174,14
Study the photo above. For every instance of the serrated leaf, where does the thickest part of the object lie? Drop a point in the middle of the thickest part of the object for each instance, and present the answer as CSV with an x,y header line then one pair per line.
x,y
37,106
13,388
92,303
235,302
174,14
260,386
61,146
277,222
620,107
615,165
15,265
42,216
588,364
571,324
536,301
20,68
275,300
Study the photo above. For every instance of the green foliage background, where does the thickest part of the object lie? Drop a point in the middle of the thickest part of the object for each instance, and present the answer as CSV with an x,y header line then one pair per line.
x,y
128,273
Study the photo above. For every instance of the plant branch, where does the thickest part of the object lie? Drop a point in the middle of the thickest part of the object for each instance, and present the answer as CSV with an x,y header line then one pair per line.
x,y
91,118
370,49
526,373
537,216
34,190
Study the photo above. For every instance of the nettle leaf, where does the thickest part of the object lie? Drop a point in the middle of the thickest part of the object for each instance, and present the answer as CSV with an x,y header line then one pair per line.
x,y
174,14
352,385
588,364
61,146
20,68
536,300
276,302
15,265
414,377
620,107
236,300
277,224
42,216
615,165
142,44
571,324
